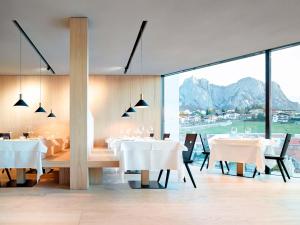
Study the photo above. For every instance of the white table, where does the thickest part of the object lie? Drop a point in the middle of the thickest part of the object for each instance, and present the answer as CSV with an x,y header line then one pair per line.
x,y
240,150
20,154
114,143
151,155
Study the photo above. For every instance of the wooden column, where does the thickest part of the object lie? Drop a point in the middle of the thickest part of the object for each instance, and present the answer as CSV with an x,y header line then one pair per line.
x,y
78,102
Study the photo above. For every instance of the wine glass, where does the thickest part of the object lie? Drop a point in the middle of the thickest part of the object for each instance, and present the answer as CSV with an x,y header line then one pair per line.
x,y
233,131
248,130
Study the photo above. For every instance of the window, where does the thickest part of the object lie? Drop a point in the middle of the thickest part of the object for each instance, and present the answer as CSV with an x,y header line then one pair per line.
x,y
286,102
171,106
228,97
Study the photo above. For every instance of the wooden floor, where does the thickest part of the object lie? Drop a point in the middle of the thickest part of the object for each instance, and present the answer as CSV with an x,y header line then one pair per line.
x,y
218,200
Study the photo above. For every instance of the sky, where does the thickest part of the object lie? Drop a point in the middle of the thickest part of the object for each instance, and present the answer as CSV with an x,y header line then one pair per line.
x,y
285,71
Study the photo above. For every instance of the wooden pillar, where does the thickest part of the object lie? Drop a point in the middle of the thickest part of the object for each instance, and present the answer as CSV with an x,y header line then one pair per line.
x,y
78,102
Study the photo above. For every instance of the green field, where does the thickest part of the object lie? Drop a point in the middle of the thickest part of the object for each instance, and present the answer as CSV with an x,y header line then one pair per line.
x,y
256,127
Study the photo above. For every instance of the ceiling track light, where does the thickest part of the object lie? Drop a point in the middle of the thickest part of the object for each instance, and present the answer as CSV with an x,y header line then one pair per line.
x,y
33,45
144,23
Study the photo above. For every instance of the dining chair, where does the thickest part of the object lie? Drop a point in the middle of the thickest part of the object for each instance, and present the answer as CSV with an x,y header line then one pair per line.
x,y
6,136
206,153
190,140
280,158
166,135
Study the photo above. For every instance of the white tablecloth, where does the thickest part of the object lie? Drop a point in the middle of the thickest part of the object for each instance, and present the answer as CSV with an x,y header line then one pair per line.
x,y
22,154
242,150
114,144
152,155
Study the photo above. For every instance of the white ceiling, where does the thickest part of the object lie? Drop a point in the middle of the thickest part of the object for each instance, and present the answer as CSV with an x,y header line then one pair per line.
x,y
180,34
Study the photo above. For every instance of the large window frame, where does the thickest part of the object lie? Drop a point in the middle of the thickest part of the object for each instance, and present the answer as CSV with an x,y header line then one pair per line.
x,y
268,84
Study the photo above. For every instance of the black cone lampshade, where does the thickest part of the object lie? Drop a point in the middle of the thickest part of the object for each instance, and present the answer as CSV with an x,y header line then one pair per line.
x,y
40,109
141,103
51,115
125,115
130,109
21,102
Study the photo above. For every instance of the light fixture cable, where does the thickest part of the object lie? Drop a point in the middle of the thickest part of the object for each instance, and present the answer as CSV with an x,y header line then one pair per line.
x,y
20,65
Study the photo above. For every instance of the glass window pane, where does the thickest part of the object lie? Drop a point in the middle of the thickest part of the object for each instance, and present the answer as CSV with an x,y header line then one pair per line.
x,y
220,99
286,103
224,98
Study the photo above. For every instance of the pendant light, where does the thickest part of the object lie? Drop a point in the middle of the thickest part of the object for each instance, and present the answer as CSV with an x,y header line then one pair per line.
x,y
130,109
20,102
51,114
141,103
125,115
40,109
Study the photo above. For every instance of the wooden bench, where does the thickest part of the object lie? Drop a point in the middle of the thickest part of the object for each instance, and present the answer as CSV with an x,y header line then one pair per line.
x,y
97,160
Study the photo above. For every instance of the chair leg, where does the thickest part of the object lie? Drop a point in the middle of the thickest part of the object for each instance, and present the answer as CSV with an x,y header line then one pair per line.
x,y
207,162
281,171
205,158
255,171
167,178
190,174
159,176
8,174
284,168
221,164
227,165
184,180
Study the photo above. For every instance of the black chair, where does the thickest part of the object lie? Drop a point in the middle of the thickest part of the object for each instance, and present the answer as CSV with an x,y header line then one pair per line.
x,y
280,158
206,153
26,134
6,136
190,141
166,135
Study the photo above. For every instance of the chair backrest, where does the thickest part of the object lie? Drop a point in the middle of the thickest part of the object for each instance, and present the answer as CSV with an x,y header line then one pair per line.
x,y
26,134
166,135
204,143
285,145
5,135
190,140
152,135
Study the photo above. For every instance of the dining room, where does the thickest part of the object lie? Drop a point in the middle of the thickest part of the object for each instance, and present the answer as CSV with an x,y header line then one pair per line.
x,y
149,112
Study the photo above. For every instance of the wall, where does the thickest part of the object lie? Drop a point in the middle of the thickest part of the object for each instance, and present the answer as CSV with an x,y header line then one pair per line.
x,y
109,97
20,119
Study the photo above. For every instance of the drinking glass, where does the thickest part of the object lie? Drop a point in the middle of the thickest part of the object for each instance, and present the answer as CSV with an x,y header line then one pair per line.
x,y
233,131
248,130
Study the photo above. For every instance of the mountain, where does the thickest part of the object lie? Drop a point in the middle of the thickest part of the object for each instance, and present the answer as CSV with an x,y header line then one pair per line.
x,y
198,93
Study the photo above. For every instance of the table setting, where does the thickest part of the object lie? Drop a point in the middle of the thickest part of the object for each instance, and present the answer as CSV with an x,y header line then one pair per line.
x,y
147,154
241,149
20,154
